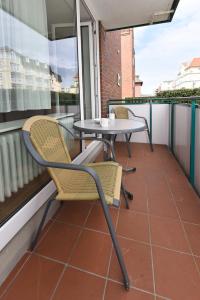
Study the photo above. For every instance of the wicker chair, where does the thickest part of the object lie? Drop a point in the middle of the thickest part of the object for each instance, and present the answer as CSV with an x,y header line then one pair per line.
x,y
95,181
122,112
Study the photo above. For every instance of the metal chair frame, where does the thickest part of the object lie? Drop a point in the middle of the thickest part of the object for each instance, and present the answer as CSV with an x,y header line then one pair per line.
x,y
128,136
94,175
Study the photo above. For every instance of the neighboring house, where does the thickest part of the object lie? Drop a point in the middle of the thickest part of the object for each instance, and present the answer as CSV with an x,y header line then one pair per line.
x,y
127,63
188,77
18,71
117,63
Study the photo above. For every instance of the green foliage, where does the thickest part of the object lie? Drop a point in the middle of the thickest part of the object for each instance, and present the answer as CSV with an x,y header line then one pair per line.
x,y
65,98
179,93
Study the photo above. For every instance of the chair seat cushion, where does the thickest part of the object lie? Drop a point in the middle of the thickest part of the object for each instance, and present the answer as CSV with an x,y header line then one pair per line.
x,y
78,185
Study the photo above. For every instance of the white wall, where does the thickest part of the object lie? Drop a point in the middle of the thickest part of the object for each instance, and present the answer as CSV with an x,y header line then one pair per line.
x,y
160,124
182,119
197,151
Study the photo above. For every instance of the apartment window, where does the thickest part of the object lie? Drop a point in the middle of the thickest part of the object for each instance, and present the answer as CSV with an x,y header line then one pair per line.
x,y
38,48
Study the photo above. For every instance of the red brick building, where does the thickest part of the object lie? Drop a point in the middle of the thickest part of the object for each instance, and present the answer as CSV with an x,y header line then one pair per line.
x,y
117,65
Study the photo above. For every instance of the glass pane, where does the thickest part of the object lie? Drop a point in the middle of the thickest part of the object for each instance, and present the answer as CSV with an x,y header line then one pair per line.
x,y
38,76
88,61
86,72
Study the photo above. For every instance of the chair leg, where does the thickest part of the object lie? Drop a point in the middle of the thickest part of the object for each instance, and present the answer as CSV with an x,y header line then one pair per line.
x,y
129,194
115,243
149,136
34,242
130,135
128,145
125,196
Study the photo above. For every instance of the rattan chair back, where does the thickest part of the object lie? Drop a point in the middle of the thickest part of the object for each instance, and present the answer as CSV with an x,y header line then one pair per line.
x,y
121,112
48,140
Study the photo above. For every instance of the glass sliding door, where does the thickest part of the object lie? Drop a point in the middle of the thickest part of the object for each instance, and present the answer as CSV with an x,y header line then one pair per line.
x,y
88,66
89,59
38,76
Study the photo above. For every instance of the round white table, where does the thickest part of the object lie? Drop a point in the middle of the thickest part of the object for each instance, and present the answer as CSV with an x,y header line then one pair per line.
x,y
109,132
114,127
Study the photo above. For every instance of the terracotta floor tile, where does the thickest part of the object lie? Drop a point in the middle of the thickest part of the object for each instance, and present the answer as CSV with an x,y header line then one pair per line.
x,y
138,262
189,212
161,207
176,276
193,233
37,280
139,203
182,191
13,273
45,230
159,181
133,225
115,291
74,212
157,185
168,233
137,187
197,259
76,285
97,221
92,252
59,241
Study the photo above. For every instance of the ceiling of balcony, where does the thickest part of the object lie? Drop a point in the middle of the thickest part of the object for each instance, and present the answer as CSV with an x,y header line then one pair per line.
x,y
116,14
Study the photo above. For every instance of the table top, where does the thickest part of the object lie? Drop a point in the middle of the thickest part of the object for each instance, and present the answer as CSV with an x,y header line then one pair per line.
x,y
115,126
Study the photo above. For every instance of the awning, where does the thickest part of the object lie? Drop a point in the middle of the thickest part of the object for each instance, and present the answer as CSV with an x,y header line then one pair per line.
x,y
119,14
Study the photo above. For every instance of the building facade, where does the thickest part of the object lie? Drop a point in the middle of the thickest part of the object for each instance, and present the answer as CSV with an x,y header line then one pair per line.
x,y
188,77
127,63
117,64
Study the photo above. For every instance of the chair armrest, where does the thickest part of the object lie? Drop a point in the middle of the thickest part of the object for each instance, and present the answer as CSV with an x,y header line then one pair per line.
x,y
135,116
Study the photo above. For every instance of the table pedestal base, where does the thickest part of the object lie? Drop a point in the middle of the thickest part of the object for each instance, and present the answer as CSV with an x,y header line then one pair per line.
x,y
111,138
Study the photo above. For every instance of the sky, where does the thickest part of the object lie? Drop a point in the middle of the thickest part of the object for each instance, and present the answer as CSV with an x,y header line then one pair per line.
x,y
160,49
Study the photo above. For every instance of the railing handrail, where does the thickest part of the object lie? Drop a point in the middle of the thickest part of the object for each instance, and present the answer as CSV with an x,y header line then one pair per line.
x,y
165,100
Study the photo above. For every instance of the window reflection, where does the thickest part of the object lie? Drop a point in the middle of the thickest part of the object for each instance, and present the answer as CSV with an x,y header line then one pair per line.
x,y
38,64
38,75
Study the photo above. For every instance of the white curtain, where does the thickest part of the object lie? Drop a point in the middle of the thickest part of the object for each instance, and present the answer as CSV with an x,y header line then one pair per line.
x,y
24,56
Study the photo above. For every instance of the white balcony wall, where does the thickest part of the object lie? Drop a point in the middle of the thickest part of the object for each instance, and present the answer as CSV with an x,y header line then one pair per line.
x,y
160,123
182,120
197,151
140,110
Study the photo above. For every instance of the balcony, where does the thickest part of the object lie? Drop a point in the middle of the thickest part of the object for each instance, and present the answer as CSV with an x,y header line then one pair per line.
x,y
159,237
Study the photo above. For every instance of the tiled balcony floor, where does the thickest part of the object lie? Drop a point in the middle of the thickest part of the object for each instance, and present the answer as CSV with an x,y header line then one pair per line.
x,y
159,236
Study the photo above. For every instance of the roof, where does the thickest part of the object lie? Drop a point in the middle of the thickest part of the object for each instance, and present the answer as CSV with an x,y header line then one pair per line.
x,y
120,14
195,62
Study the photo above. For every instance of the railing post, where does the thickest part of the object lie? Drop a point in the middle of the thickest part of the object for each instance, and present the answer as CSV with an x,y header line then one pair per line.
x,y
172,128
192,142
150,117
